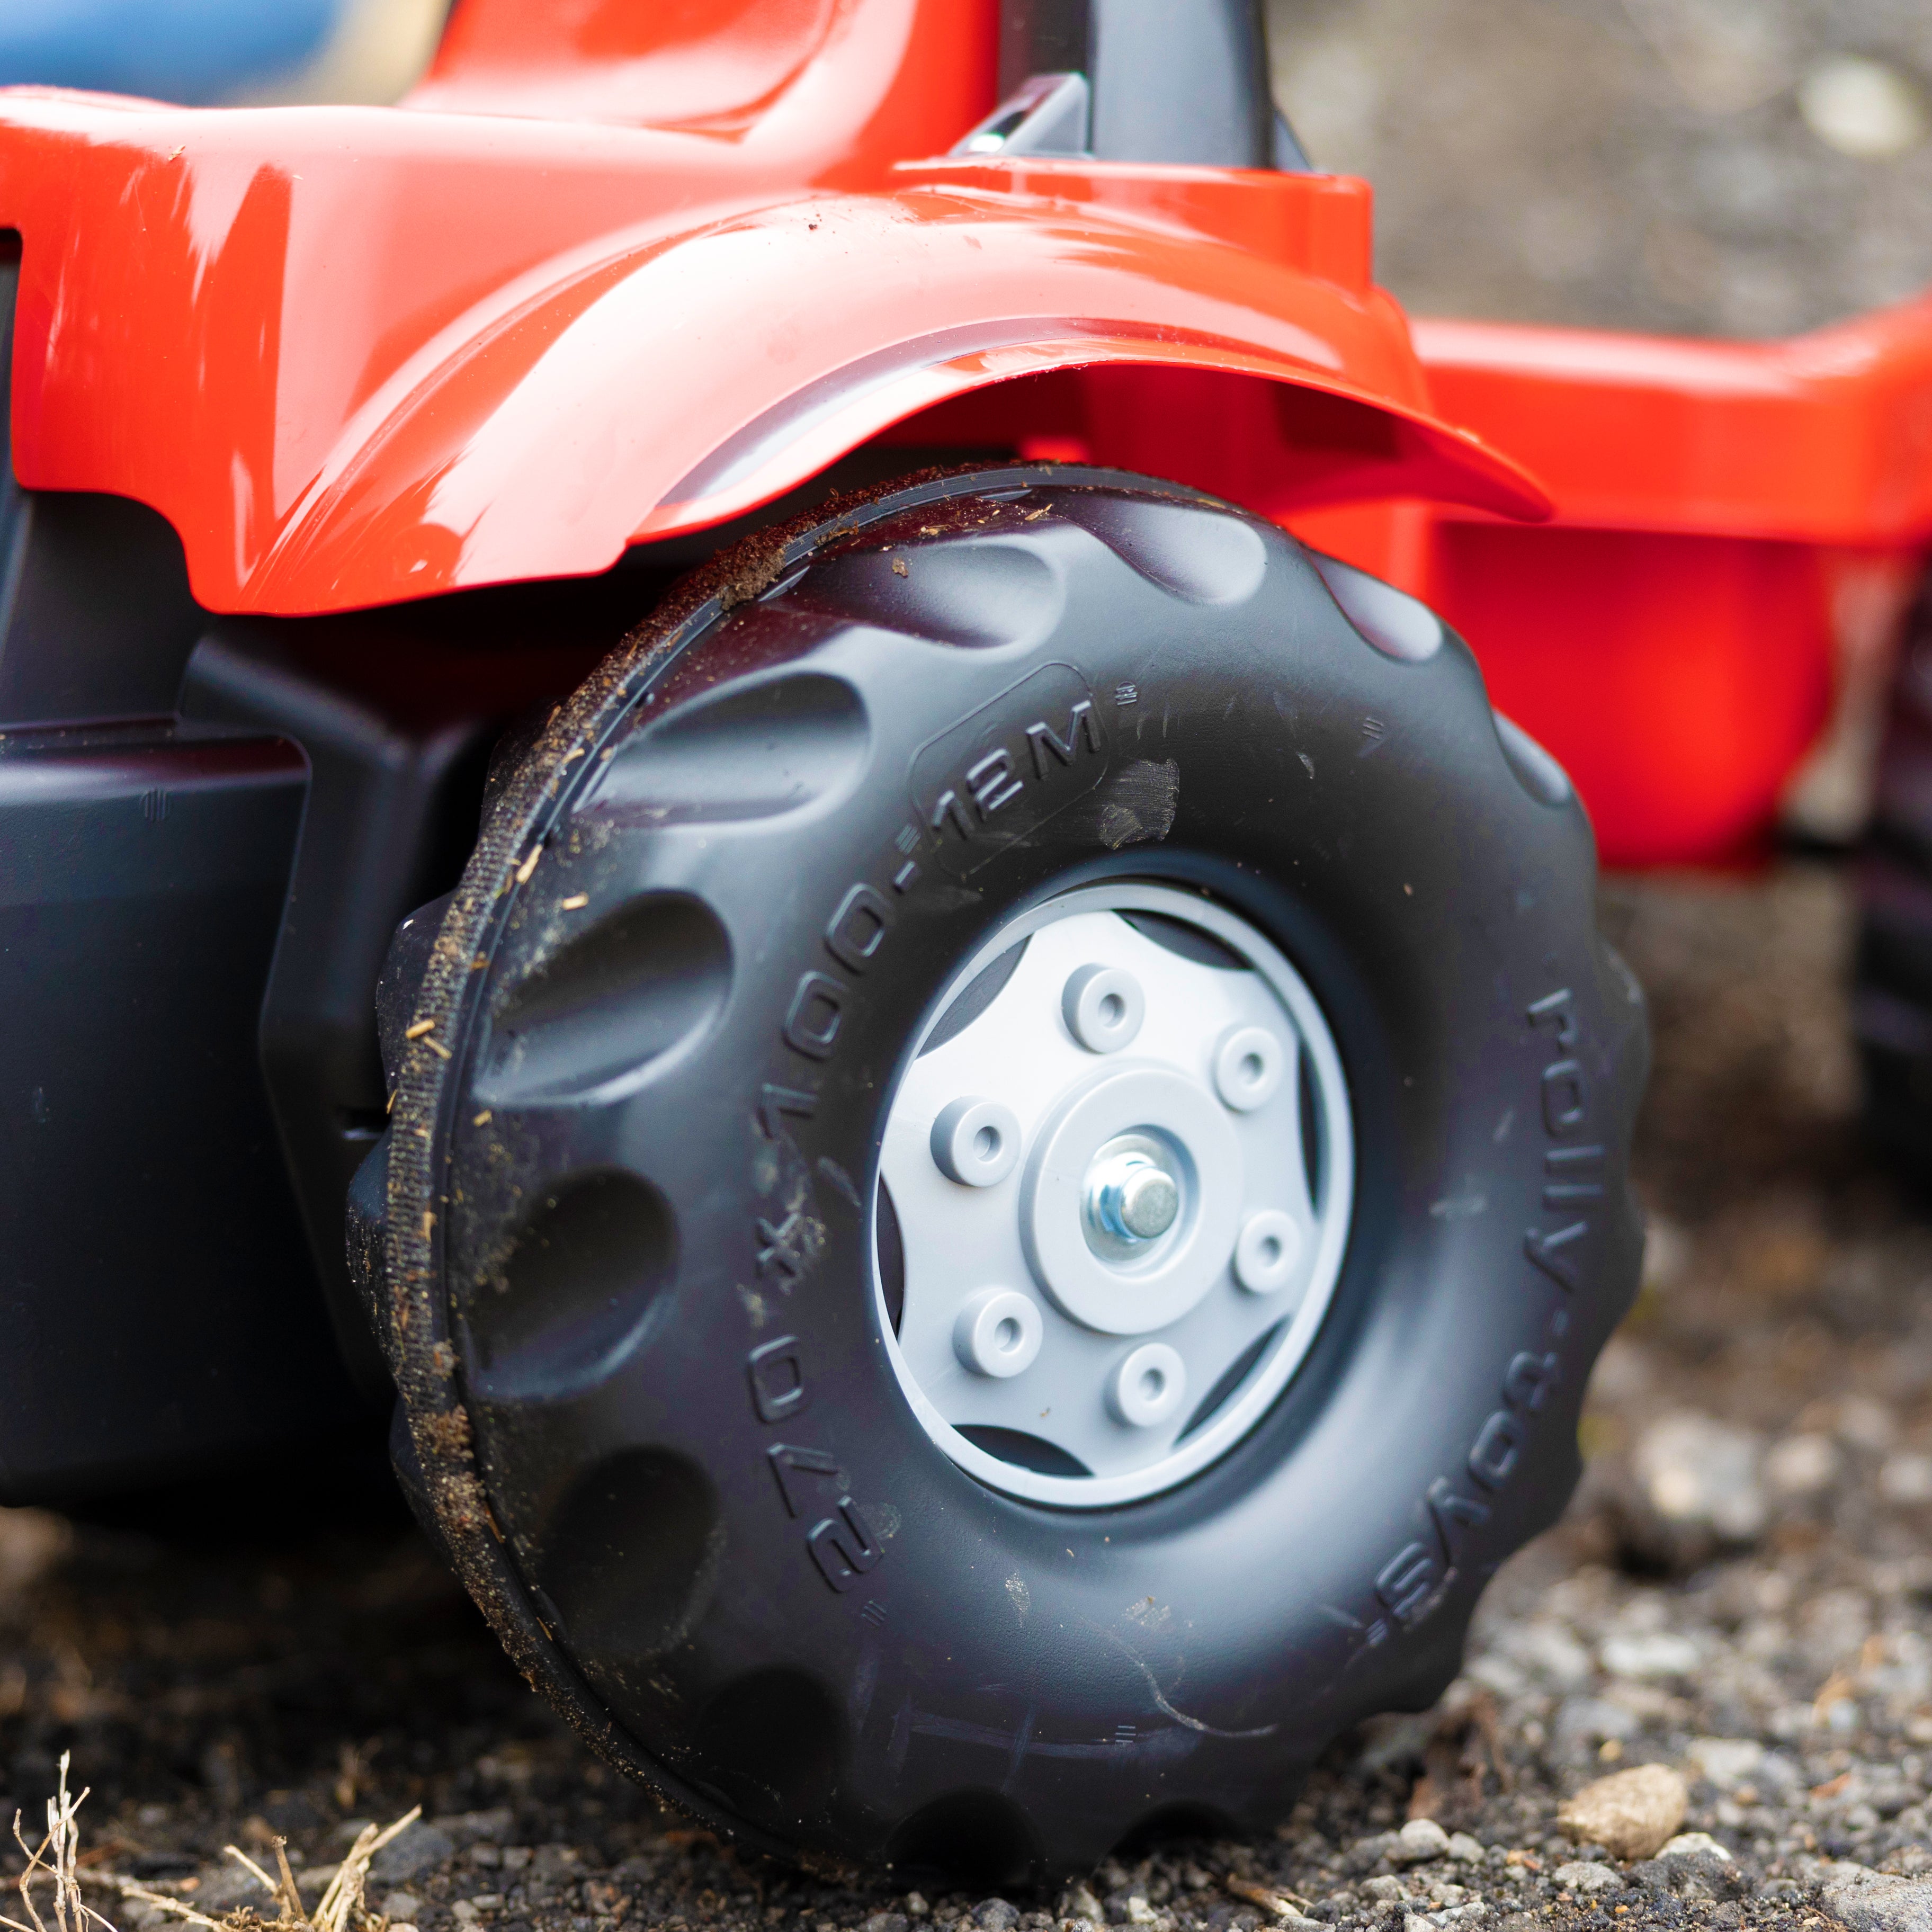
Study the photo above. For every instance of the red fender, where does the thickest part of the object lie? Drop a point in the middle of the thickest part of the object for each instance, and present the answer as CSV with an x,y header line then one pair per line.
x,y
359,355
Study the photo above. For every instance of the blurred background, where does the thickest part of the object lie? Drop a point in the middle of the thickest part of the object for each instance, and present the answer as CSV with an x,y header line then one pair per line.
x,y
203,51
1747,167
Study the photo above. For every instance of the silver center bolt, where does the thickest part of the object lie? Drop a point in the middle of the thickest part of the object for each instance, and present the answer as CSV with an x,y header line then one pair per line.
x,y
1132,1197
1148,1202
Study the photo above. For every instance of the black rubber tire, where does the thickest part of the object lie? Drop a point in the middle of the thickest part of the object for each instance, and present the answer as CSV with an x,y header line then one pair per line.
x,y
641,1074
1891,999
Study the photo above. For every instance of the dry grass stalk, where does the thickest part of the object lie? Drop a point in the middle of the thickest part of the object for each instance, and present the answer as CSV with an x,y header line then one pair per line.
x,y
1283,1903
341,1906
56,1859
341,1909
129,1888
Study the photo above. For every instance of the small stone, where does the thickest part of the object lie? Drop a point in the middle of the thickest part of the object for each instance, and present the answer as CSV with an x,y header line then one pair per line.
x,y
400,1905
1139,1912
1075,1902
1385,1888
886,1922
1582,1721
1651,1654
1862,107
1697,1488
1630,1813
465,1912
1420,1840
1587,1876
227,1887
1869,1901
996,1915
1865,1422
1694,1845
1465,1849
1907,1478
471,1827
1551,1651
420,1849
1726,1762
917,1908
1803,1465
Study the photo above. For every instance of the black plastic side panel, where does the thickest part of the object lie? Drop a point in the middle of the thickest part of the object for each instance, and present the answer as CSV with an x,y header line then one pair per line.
x,y
392,811
97,620
154,1315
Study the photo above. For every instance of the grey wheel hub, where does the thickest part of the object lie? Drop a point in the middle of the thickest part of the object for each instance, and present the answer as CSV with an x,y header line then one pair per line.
x,y
1121,1192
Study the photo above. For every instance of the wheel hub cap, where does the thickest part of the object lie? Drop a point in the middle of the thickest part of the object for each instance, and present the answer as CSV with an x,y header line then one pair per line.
x,y
1120,1193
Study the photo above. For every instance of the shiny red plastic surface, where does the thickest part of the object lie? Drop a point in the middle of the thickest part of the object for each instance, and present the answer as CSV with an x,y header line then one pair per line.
x,y
617,272
358,356
1670,634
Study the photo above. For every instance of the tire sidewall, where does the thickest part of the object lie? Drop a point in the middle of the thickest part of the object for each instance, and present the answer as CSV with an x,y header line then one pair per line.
x,y
1191,1651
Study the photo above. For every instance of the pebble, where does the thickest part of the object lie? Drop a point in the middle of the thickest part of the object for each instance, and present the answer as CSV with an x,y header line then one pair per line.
x,y
1465,1849
401,1905
1869,1901
1862,107
1803,1465
1726,1762
1694,1845
420,1849
1420,1840
227,1887
1587,1875
1630,1813
1907,1478
1651,1654
472,1827
1699,1479
1075,1902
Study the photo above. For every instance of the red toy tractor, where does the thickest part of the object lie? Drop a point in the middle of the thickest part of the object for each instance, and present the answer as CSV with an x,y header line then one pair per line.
x,y
767,688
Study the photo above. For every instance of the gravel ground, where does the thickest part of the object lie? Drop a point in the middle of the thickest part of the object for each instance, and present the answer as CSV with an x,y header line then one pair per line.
x,y
1678,165
1742,1593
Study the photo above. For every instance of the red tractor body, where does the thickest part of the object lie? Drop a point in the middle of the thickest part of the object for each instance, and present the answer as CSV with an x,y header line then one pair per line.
x,y
608,277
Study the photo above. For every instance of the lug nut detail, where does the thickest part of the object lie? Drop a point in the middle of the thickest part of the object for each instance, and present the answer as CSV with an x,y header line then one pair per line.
x,y
1248,1064
1267,1251
976,1142
1148,1387
998,1332
1103,1007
